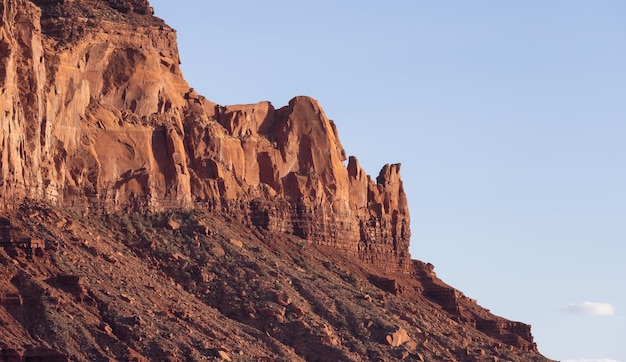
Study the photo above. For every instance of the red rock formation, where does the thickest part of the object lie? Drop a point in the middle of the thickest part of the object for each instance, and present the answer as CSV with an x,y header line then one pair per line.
x,y
105,121
466,310
95,116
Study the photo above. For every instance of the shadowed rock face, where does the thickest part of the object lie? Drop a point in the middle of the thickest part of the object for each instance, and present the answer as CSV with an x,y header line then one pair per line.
x,y
96,118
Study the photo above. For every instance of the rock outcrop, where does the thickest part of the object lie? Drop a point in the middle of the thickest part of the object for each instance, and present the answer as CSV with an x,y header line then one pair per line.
x,y
97,120
97,116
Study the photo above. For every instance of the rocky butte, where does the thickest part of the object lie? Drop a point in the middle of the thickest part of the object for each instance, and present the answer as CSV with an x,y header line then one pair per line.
x,y
141,221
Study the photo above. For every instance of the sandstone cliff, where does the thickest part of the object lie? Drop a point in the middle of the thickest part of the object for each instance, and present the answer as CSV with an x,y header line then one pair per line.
x,y
98,116
96,119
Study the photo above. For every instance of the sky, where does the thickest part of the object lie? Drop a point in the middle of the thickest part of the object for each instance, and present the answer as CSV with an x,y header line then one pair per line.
x,y
509,120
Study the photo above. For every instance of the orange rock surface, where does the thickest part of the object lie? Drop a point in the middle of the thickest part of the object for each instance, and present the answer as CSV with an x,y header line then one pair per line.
x,y
97,115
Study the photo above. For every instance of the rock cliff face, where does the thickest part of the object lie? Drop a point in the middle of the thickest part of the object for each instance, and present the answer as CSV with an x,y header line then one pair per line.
x,y
96,119
98,116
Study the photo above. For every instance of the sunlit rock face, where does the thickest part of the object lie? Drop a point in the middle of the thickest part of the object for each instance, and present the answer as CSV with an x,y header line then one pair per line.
x,y
97,116
97,120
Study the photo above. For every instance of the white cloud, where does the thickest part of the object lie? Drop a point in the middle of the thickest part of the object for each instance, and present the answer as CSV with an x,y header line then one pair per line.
x,y
591,308
591,360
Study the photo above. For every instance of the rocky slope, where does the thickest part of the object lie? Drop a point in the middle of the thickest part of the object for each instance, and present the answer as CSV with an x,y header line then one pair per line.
x,y
140,220
197,286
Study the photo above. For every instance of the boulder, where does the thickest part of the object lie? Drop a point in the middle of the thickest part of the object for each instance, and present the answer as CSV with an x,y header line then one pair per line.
x,y
397,338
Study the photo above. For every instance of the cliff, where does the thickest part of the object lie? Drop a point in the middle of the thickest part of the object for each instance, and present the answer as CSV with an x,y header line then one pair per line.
x,y
98,116
97,120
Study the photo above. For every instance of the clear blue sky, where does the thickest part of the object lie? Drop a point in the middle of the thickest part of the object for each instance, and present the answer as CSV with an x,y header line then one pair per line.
x,y
509,119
